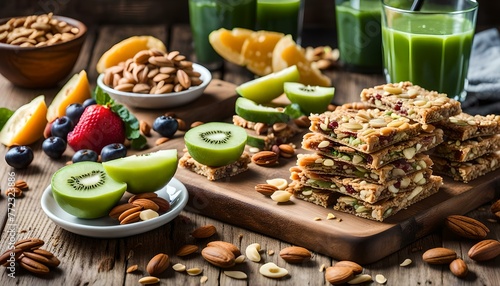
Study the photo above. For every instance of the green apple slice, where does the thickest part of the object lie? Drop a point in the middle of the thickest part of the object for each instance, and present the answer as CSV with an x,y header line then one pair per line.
x,y
251,111
311,99
144,173
216,144
85,190
265,89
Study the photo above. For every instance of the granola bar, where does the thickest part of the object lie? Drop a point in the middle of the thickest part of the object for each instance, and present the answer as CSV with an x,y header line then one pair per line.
x,y
316,163
467,171
462,151
403,150
412,101
364,130
324,198
360,188
215,173
385,208
465,126
264,136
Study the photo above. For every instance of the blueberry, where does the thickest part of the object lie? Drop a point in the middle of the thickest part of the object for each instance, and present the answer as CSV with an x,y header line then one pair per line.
x,y
74,111
19,157
113,151
54,147
61,127
85,155
166,126
88,102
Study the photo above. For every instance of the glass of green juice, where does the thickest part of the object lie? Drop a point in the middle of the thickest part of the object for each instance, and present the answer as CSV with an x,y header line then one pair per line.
x,y
359,35
206,16
285,16
430,47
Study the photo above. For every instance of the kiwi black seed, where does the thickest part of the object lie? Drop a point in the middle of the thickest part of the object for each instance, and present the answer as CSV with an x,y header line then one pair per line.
x,y
78,182
216,144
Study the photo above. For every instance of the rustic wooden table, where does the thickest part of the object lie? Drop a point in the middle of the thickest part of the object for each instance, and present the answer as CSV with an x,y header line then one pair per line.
x,y
93,261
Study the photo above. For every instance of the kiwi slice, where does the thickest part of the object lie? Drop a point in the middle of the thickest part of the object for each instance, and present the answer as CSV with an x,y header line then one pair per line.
x,y
85,190
252,111
144,173
216,144
311,99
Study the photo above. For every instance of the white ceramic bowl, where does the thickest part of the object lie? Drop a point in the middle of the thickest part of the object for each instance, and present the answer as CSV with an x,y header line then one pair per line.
x,y
166,100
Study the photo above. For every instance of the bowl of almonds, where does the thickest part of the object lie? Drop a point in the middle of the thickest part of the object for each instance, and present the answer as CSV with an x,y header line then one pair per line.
x,y
155,79
38,51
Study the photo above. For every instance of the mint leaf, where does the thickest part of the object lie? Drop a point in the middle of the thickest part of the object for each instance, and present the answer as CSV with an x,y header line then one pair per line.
x,y
139,143
5,114
102,98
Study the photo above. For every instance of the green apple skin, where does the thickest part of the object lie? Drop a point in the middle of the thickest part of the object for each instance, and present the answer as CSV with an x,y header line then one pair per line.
x,y
311,99
265,89
87,204
252,111
144,173
215,155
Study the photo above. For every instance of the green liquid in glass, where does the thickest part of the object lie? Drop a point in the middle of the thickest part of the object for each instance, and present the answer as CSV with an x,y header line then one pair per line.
x,y
279,16
432,52
359,35
207,16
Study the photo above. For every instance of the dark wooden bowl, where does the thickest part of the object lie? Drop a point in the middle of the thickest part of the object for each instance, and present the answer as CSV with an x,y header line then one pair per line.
x,y
41,67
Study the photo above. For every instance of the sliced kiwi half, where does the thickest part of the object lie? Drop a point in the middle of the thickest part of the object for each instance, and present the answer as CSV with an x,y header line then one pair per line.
x,y
144,173
311,99
216,144
252,111
85,190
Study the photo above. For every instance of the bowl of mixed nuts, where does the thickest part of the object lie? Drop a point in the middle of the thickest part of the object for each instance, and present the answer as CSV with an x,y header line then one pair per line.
x,y
38,51
154,79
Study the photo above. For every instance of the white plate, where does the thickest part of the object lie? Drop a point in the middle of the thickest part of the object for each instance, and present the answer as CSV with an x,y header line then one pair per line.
x,y
175,192
154,101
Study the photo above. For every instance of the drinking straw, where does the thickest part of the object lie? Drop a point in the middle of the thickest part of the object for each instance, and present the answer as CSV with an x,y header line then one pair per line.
x,y
417,5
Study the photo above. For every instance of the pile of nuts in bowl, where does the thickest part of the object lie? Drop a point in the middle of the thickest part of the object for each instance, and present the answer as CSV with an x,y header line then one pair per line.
x,y
153,72
36,31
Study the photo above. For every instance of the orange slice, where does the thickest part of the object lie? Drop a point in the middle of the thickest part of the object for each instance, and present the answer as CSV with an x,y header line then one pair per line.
x,y
287,53
126,49
228,43
76,90
258,49
26,124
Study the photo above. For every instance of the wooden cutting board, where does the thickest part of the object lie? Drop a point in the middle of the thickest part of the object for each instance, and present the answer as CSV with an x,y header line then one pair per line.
x,y
234,200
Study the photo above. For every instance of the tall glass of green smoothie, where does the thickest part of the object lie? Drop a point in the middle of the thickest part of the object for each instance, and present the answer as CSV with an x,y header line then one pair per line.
x,y
283,16
358,35
206,16
430,47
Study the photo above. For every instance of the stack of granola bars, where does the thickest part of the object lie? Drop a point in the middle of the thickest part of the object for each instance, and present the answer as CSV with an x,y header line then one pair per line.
x,y
471,147
369,158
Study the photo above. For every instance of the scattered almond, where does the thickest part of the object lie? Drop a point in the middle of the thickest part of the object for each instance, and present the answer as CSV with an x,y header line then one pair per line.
x,y
459,268
495,208
407,262
379,278
485,250
466,227
266,189
218,256
158,264
356,268
194,271
236,274
439,255
132,268
145,128
295,254
265,158
204,231
226,245
186,250
161,140
149,280
360,278
338,275
179,267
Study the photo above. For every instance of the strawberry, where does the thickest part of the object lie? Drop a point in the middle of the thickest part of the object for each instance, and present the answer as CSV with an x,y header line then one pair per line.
x,y
98,127
105,123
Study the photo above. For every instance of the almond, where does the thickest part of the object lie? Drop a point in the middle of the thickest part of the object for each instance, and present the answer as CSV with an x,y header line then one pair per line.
x,y
484,250
148,195
119,209
338,274
204,231
265,158
132,210
286,150
466,227
145,128
186,250
133,217
439,255
33,266
459,268
495,208
158,264
146,204
163,204
295,254
356,268
266,189
227,245
218,256
29,244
